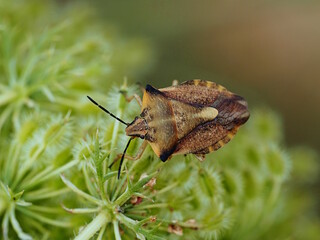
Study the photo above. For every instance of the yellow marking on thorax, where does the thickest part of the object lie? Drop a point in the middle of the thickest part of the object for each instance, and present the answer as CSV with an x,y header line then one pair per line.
x,y
159,122
155,148
145,99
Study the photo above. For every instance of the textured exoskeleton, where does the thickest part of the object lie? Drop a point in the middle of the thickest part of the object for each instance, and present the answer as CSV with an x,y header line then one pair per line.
x,y
195,117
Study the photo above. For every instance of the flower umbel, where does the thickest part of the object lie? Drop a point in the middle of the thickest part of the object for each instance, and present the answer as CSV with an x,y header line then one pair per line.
x,y
25,174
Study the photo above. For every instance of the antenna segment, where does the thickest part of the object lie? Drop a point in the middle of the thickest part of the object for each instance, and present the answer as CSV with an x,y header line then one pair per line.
x,y
105,110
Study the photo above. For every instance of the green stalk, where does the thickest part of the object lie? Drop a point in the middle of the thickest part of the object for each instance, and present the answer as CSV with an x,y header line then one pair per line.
x,y
35,196
135,226
40,218
44,176
94,226
116,230
81,193
5,114
5,225
131,190
12,165
27,165
89,185
101,233
7,97
16,226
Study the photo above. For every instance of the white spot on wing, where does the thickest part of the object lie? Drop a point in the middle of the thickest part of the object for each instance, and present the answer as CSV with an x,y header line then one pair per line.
x,y
209,113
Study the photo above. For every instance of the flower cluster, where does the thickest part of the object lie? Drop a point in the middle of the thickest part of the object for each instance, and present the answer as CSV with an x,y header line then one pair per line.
x,y
46,55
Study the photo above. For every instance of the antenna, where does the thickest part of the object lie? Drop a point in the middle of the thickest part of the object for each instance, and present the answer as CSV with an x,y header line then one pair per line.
x,y
105,110
121,161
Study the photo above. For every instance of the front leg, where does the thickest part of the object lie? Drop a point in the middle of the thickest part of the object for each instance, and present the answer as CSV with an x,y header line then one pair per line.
x,y
136,157
134,96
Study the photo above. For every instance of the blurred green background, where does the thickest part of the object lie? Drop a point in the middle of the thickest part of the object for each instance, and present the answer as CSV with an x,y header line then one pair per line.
x,y
55,52
267,51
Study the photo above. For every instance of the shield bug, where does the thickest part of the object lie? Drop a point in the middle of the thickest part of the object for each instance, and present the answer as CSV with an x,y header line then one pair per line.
x,y
194,117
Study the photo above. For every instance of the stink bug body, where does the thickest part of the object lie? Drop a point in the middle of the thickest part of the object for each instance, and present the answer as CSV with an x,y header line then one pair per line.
x,y
195,117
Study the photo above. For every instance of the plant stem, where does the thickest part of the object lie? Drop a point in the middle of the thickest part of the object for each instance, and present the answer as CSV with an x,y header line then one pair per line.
x,y
94,226
116,230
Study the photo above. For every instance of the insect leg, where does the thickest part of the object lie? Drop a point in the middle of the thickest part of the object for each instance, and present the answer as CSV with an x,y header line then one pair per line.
x,y
200,157
136,97
136,157
140,86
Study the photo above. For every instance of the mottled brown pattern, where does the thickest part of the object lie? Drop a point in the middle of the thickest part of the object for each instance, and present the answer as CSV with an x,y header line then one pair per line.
x,y
138,129
187,117
201,137
233,110
200,94
204,83
215,146
194,117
